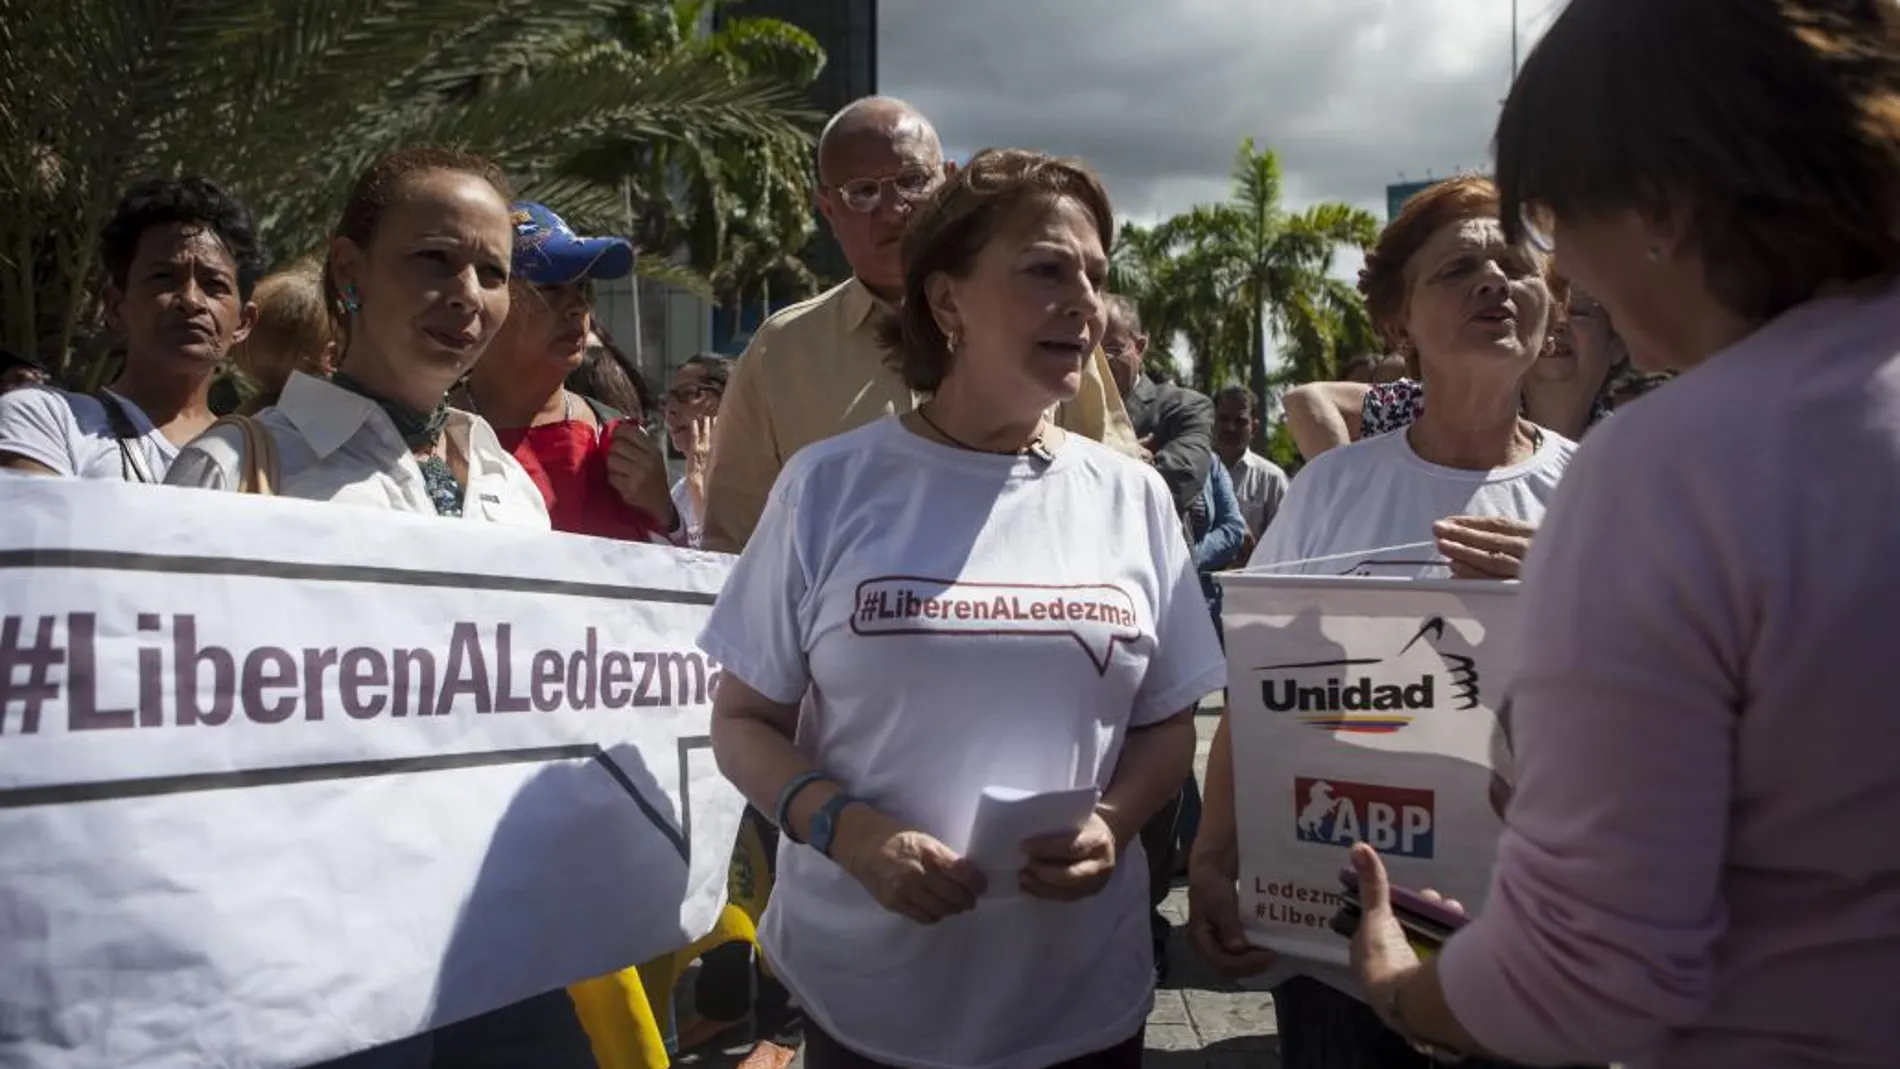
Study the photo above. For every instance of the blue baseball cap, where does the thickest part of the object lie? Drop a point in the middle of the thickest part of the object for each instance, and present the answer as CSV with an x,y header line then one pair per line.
x,y
549,253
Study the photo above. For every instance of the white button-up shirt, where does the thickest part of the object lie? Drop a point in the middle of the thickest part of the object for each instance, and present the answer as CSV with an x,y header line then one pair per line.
x,y
335,445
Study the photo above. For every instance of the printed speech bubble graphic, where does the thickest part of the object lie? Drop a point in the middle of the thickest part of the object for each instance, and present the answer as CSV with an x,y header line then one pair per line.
x,y
1384,695
1096,615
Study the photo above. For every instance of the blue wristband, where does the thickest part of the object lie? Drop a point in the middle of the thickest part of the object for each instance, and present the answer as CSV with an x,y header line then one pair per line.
x,y
781,815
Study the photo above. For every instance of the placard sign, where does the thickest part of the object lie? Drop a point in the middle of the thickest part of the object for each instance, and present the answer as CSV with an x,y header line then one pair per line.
x,y
1362,710
280,780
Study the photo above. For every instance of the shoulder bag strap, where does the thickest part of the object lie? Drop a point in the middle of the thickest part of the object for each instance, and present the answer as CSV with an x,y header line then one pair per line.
x,y
131,457
258,465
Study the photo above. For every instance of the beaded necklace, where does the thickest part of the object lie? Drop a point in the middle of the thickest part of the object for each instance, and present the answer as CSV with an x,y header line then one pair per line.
x,y
420,432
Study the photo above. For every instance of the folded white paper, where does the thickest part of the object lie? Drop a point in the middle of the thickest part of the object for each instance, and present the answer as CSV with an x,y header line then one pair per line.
x,y
1006,816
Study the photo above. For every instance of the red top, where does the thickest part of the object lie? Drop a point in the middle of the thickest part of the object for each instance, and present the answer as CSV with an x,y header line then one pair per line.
x,y
568,461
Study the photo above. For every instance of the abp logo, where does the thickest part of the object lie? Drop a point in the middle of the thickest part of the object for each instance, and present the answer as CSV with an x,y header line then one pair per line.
x,y
1393,820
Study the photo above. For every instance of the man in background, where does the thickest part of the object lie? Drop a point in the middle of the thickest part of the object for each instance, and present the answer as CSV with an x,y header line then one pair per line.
x,y
1259,483
1175,425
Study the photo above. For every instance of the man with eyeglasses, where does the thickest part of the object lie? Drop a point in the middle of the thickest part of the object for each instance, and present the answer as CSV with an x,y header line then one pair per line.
x,y
816,370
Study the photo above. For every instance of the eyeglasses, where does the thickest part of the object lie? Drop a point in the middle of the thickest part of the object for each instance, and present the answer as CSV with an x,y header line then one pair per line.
x,y
1539,228
867,194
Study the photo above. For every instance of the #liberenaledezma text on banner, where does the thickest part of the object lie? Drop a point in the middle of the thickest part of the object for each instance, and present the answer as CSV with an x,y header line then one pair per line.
x,y
281,780
1362,710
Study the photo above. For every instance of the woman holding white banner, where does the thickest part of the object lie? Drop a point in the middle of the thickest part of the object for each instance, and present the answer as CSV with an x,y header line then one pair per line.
x,y
999,636
1469,480
418,274
1697,868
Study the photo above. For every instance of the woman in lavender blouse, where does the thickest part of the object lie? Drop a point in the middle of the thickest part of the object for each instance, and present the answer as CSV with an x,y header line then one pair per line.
x,y
1699,867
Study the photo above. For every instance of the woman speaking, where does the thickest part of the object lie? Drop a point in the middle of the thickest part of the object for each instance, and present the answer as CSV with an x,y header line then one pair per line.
x,y
967,597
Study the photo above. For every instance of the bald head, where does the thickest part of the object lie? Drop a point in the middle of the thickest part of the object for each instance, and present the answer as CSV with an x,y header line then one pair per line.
x,y
875,123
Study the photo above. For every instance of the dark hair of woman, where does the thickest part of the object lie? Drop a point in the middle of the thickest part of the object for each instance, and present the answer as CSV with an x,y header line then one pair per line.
x,y
1792,169
606,375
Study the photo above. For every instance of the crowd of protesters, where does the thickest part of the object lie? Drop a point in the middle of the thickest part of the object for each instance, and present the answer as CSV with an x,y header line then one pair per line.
x,y
1700,725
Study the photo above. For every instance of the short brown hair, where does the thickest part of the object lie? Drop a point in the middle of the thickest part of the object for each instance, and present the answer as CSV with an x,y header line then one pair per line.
x,y
1776,123
378,186
293,329
951,229
1384,280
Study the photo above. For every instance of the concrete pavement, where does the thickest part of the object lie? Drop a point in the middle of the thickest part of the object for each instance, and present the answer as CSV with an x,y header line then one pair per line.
x,y
1199,1021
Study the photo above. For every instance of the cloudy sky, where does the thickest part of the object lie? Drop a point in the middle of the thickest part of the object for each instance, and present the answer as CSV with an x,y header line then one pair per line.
x,y
1352,94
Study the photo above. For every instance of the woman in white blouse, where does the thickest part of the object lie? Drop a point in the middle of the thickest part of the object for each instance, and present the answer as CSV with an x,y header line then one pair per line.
x,y
418,270
967,597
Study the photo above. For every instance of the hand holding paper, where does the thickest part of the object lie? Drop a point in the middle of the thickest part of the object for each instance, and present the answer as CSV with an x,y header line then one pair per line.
x,y
1071,866
1061,829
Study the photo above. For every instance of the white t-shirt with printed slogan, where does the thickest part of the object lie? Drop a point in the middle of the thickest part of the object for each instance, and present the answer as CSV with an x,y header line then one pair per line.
x,y
71,434
1378,493
953,621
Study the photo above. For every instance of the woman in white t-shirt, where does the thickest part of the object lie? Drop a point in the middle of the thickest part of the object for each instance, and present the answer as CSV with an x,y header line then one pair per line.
x,y
1458,493
419,271
961,598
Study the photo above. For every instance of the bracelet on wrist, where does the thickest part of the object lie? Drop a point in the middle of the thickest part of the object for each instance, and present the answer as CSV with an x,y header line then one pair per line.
x,y
782,813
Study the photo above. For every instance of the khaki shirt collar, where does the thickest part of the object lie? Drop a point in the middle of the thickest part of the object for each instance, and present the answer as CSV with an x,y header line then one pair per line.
x,y
859,303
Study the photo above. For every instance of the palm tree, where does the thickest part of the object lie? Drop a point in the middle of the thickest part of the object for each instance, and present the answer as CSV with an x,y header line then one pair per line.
x,y
739,208
285,101
1270,270
1229,278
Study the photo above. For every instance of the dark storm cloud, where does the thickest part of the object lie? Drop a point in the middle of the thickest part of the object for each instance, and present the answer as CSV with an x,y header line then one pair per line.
x,y
1157,94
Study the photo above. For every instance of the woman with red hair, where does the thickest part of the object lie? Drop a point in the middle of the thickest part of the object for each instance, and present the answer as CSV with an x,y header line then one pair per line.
x,y
1469,311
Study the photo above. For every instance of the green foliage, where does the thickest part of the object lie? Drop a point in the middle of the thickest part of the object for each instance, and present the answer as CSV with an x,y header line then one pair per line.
x,y
1281,449
1230,277
285,101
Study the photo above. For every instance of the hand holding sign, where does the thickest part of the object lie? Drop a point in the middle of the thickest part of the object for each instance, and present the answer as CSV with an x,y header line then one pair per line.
x,y
1214,923
1382,952
907,871
1484,547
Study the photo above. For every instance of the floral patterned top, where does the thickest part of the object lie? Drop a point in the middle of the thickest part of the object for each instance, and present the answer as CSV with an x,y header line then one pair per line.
x,y
1394,406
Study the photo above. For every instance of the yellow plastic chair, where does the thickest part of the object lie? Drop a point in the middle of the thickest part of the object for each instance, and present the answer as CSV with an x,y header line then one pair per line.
x,y
622,1011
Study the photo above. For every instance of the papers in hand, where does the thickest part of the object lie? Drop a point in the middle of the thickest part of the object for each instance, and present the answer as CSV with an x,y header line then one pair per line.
x,y
1005,816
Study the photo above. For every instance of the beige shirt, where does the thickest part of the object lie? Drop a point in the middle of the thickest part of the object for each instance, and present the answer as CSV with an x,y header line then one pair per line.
x,y
814,371
334,445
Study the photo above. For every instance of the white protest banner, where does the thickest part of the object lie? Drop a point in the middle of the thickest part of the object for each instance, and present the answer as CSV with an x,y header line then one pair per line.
x,y
280,780
1361,709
